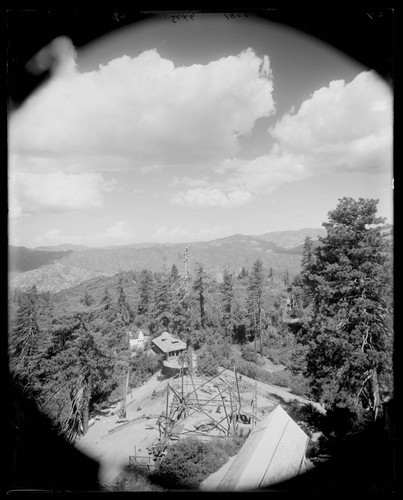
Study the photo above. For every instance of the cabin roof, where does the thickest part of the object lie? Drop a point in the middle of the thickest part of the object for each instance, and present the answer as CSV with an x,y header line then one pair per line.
x,y
167,343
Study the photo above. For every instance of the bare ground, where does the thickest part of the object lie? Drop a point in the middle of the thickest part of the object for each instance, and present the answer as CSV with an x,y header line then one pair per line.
x,y
111,442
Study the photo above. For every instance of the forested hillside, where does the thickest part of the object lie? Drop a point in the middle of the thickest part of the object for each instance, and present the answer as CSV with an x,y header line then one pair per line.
x,y
237,251
21,259
330,326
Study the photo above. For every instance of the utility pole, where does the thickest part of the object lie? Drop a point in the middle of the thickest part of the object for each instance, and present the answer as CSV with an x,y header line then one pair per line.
x,y
186,272
166,411
126,379
254,321
186,267
125,387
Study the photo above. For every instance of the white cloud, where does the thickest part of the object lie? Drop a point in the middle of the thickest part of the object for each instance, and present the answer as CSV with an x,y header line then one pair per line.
x,y
141,113
342,125
265,173
54,237
118,234
211,197
69,164
146,108
347,127
51,237
190,182
33,193
181,234
243,180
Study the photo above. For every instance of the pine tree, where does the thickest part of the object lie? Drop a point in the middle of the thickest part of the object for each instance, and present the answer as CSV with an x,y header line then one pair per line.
x,y
145,292
199,287
163,303
174,274
123,307
180,311
25,341
255,297
106,301
286,277
243,274
348,280
87,300
227,297
85,350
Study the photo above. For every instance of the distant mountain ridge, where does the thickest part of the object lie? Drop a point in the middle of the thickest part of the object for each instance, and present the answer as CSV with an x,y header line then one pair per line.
x,y
290,239
63,247
21,259
64,269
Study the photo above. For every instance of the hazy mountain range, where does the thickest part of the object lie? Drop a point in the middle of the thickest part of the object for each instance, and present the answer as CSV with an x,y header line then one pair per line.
x,y
59,267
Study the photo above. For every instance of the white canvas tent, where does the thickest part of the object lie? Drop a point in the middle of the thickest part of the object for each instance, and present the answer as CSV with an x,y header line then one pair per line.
x,y
274,452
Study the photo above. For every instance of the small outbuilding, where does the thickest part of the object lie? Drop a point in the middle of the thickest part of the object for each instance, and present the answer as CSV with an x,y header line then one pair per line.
x,y
139,341
168,345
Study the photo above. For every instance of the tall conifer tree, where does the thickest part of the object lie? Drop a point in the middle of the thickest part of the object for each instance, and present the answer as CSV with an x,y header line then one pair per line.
x,y
348,279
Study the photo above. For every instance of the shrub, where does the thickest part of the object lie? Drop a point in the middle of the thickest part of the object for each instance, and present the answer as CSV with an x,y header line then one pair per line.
x,y
142,366
207,363
249,354
188,463
343,420
133,479
229,446
300,386
308,414
282,379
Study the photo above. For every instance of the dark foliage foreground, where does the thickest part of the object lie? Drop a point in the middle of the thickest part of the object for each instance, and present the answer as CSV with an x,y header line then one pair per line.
x,y
191,460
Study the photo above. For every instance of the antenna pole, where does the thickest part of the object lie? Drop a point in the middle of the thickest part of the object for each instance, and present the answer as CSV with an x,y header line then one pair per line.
x,y
186,266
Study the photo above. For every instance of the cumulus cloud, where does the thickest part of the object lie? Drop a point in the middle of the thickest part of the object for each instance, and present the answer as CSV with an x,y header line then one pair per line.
x,y
37,192
243,180
347,127
119,233
264,174
54,237
211,197
140,112
180,234
146,108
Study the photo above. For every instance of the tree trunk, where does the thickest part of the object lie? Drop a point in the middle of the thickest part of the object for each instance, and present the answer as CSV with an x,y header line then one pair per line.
x,y
86,408
375,393
260,331
190,357
122,411
254,321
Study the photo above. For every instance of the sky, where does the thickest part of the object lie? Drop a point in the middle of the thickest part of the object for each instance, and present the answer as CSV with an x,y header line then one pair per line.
x,y
194,130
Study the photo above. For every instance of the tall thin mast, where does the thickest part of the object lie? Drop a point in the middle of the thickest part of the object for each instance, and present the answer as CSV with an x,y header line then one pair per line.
x,y
186,268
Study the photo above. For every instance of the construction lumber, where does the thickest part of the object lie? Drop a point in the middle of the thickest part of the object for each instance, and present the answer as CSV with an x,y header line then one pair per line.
x,y
232,414
126,424
237,386
210,400
214,420
166,412
195,391
225,409
209,380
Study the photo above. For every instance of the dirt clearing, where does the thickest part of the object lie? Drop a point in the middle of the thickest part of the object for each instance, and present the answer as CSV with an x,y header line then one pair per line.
x,y
111,441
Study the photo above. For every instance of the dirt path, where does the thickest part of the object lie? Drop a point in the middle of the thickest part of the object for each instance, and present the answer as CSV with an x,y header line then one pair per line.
x,y
112,449
263,389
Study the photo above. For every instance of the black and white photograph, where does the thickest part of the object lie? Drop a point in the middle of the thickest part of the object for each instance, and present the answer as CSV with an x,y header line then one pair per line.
x,y
200,250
